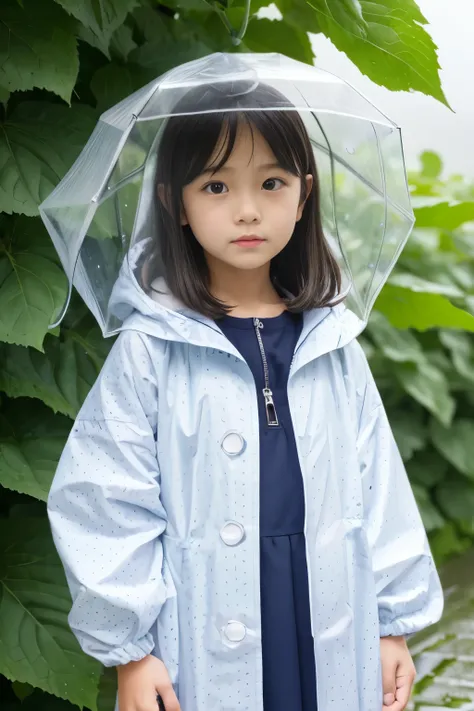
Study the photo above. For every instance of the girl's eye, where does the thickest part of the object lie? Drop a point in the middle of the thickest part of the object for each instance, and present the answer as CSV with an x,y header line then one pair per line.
x,y
215,188
273,184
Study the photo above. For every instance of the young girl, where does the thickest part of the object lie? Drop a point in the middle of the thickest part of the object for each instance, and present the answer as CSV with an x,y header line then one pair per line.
x,y
233,515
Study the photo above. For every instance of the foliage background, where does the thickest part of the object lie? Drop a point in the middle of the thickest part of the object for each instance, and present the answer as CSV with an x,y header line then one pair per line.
x,y
61,63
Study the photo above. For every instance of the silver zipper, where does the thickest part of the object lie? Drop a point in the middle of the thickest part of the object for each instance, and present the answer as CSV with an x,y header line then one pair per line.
x,y
270,409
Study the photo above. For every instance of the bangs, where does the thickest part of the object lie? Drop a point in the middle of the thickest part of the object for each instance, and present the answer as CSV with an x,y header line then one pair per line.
x,y
214,136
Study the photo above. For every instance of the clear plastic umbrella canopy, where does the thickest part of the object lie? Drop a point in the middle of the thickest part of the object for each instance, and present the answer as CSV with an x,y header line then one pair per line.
x,y
103,212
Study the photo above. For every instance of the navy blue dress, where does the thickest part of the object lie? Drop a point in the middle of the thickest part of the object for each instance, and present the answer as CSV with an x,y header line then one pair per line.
x,y
289,679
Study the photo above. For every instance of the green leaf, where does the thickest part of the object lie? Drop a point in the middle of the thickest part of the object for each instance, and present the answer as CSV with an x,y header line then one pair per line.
x,y
38,144
4,95
159,56
299,14
407,309
22,691
447,542
31,442
62,376
153,25
397,345
445,215
455,498
391,46
37,47
122,43
272,35
428,386
107,690
431,165
113,82
417,283
432,518
462,351
32,286
456,444
410,433
427,468
100,18
36,644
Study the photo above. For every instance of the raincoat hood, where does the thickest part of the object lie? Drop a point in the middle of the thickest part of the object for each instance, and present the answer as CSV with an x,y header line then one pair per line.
x,y
160,314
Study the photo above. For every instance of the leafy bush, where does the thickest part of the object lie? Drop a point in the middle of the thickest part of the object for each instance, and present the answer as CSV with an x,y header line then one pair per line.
x,y
421,350
61,63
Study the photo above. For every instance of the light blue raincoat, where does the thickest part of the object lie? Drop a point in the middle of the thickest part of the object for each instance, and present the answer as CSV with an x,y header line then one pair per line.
x,y
155,510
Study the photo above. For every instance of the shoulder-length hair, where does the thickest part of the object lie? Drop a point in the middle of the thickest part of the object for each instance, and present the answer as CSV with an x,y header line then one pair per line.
x,y
305,272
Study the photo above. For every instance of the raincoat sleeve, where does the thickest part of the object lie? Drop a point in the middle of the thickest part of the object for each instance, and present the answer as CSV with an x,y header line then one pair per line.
x,y
105,510
408,589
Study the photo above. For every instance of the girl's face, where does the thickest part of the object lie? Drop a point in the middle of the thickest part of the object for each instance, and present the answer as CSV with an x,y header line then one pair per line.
x,y
250,197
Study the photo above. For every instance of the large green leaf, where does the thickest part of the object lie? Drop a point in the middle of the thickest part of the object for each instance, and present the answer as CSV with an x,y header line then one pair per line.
x,y
100,18
31,441
391,45
395,344
38,144
445,215
32,285
61,376
36,644
37,47
428,386
278,35
456,444
408,309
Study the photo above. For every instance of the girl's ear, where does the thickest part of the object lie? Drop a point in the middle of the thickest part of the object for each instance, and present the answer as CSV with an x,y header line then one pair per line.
x,y
309,186
165,199
183,218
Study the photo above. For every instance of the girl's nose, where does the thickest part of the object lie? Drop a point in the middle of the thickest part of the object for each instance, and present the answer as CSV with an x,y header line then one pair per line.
x,y
247,210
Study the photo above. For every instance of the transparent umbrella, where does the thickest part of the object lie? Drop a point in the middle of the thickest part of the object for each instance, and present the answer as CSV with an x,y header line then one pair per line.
x,y
103,209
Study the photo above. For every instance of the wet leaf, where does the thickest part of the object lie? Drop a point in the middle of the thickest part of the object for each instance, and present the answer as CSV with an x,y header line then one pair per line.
x,y
37,47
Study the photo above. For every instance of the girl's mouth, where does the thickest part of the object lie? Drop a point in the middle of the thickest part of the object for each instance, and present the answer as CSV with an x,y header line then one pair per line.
x,y
249,241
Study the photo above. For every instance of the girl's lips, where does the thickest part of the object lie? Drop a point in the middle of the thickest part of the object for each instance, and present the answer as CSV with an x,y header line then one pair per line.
x,y
249,241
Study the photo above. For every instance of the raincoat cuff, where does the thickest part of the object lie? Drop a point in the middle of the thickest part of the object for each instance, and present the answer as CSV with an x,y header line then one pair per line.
x,y
399,628
132,652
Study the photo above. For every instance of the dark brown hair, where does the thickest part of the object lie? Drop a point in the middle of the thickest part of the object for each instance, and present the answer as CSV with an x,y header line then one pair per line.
x,y
305,272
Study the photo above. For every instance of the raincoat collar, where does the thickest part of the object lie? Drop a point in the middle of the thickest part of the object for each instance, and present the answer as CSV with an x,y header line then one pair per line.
x,y
162,315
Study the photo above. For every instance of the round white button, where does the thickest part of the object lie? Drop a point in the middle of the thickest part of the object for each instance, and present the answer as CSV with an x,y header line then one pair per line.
x,y
235,631
233,444
232,533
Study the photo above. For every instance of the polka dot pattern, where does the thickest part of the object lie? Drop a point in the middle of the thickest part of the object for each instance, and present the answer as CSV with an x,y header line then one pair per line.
x,y
145,487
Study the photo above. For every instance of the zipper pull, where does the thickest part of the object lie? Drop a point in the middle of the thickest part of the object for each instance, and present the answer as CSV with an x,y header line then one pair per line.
x,y
258,323
270,409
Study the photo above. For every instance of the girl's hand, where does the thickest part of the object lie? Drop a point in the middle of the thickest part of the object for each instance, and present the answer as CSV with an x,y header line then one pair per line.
x,y
398,673
139,683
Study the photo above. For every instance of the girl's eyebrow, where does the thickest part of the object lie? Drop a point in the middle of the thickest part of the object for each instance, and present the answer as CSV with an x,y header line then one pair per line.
x,y
228,168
